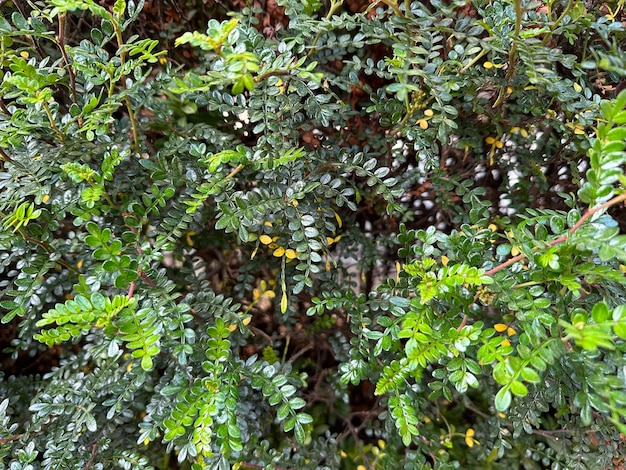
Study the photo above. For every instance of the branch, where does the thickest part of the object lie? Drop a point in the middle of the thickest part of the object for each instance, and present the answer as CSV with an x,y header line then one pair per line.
x,y
562,238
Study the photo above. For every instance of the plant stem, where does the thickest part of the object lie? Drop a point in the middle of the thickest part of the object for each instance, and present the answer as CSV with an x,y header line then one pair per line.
x,y
53,125
334,6
562,238
558,21
129,106
519,12
70,70
4,157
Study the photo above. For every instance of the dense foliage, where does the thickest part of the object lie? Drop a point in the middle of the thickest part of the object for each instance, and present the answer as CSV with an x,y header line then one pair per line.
x,y
301,234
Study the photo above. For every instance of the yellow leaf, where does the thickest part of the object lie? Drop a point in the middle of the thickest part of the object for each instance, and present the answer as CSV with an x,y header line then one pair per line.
x,y
511,332
488,65
490,140
232,328
423,123
505,342
444,260
428,113
24,54
79,264
283,303
270,294
189,239
469,438
256,293
265,239
253,254
515,251
577,88
291,254
500,327
45,198
246,321
278,252
330,240
338,219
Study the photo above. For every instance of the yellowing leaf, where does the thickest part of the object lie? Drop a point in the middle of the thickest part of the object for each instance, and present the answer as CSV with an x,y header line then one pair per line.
x,y
189,239
278,252
444,260
246,321
428,113
45,198
283,303
423,123
291,254
338,219
469,438
505,342
265,239
577,88
488,65
500,327
232,328
511,332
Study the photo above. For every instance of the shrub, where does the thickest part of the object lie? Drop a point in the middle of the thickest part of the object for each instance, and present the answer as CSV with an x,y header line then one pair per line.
x,y
313,235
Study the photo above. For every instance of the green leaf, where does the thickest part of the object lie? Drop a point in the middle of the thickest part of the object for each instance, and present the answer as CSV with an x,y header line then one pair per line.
x,y
503,399
619,317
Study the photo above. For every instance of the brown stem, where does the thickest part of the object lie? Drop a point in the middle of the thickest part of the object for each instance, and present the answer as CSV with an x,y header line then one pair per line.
x,y
89,464
4,156
6,440
562,238
131,289
251,466
70,70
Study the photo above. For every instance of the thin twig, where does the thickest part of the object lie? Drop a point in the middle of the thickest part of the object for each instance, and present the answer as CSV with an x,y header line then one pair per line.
x,y
562,238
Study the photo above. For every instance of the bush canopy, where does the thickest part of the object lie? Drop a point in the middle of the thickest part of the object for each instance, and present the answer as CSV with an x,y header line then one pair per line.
x,y
318,235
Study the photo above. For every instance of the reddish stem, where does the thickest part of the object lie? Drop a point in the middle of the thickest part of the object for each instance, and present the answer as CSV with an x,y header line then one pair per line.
x,y
562,238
